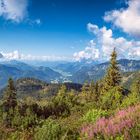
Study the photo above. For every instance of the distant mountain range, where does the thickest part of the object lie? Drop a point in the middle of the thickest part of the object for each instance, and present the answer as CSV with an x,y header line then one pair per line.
x,y
129,77
16,70
73,67
77,72
96,72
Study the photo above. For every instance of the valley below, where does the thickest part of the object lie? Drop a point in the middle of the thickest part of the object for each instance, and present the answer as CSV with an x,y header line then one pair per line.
x,y
68,72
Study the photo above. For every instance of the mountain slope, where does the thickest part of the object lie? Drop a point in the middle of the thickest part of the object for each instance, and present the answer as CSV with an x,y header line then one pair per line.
x,y
72,67
6,72
31,87
77,72
97,72
129,78
18,70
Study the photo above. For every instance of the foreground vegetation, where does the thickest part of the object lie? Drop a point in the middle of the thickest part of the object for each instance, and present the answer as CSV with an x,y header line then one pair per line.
x,y
103,110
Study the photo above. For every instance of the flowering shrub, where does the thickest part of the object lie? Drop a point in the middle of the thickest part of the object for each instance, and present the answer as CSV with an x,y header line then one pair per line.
x,y
120,124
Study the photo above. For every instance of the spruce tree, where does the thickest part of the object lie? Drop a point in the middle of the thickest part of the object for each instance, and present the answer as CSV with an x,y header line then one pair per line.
x,y
91,88
10,100
85,89
113,77
96,91
62,91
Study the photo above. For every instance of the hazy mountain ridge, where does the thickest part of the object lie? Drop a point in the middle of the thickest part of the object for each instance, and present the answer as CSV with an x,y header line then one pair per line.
x,y
129,77
96,72
16,70
77,72
72,67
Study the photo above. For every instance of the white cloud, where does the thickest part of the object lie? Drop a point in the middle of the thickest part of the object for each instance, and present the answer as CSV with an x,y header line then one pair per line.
x,y
15,55
90,53
103,44
128,19
12,55
92,28
14,10
135,52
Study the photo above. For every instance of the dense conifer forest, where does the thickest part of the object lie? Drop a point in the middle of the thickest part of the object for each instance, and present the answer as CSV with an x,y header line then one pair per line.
x,y
101,110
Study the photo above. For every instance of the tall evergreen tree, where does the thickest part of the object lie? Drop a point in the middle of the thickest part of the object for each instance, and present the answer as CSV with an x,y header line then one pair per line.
x,y
85,89
62,91
113,77
10,100
96,91
91,88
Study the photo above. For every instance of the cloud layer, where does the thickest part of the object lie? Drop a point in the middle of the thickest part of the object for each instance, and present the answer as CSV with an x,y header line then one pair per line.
x,y
127,19
15,55
103,44
14,10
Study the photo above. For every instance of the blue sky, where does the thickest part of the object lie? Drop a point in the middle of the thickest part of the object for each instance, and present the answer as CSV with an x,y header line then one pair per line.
x,y
63,28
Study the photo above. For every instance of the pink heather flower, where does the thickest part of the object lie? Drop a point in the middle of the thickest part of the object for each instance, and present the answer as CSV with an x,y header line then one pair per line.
x,y
120,123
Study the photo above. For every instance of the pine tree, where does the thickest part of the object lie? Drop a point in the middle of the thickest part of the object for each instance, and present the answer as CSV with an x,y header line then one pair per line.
x,y
96,91
62,91
91,88
61,96
113,77
10,100
85,89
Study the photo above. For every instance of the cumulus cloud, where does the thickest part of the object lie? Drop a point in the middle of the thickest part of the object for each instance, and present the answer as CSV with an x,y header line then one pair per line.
x,y
103,44
11,55
93,28
14,10
15,55
135,52
90,53
17,11
128,19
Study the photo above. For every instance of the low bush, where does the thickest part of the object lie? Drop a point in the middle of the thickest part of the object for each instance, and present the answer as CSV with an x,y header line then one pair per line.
x,y
93,115
50,130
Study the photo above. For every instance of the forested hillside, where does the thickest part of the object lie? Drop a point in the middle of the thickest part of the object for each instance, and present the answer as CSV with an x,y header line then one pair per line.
x,y
101,110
